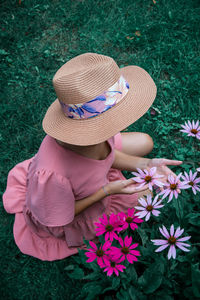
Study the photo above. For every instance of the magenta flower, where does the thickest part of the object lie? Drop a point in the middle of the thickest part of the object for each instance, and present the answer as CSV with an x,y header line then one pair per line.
x,y
172,241
129,219
192,129
98,253
113,265
172,187
191,182
108,226
198,170
148,207
126,251
148,177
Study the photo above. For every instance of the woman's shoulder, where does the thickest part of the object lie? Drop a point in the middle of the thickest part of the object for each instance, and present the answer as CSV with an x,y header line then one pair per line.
x,y
51,158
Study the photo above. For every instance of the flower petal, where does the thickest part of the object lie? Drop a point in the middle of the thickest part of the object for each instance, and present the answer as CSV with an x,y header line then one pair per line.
x,y
172,230
184,239
181,247
142,202
162,248
155,212
178,232
147,216
160,242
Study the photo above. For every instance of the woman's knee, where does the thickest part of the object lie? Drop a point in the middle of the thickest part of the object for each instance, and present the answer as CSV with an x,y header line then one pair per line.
x,y
148,143
137,143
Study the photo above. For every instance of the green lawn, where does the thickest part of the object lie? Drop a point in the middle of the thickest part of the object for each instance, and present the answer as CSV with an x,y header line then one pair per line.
x,y
37,37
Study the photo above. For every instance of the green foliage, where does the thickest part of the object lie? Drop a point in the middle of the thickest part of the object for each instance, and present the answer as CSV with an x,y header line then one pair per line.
x,y
37,37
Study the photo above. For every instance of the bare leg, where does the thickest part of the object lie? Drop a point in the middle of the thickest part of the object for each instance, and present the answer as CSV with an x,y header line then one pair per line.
x,y
138,144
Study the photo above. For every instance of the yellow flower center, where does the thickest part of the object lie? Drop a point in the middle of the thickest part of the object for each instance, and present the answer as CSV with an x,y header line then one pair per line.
x,y
112,264
149,207
109,227
147,178
172,240
99,252
194,131
129,219
173,186
125,250
191,183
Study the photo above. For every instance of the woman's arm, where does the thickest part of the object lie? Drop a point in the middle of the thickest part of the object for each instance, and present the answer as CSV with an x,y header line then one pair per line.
x,y
128,162
127,186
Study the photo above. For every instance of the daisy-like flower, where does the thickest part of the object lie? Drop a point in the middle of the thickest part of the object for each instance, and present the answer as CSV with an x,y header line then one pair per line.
x,y
198,170
148,207
191,182
148,177
126,251
129,219
98,253
172,187
193,129
113,265
172,240
108,226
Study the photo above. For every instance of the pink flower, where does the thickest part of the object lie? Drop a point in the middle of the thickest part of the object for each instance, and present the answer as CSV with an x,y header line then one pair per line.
x,y
148,207
172,241
172,187
126,251
113,265
191,182
98,253
192,129
129,219
108,226
149,177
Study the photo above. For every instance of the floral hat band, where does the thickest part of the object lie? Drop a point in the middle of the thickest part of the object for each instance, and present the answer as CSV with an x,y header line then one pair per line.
x,y
98,105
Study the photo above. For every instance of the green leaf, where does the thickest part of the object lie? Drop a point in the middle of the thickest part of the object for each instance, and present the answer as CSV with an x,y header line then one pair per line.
x,y
76,274
69,268
178,205
93,276
123,295
90,290
195,279
194,219
143,236
131,272
115,284
135,294
164,295
152,277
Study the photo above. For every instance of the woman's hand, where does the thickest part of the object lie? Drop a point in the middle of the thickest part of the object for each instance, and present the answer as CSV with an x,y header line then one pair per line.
x,y
124,187
162,169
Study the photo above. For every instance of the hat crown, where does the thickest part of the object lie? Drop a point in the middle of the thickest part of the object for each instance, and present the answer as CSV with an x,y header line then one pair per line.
x,y
84,77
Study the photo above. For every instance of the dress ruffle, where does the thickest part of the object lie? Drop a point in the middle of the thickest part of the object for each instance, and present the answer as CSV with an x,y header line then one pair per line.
x,y
53,243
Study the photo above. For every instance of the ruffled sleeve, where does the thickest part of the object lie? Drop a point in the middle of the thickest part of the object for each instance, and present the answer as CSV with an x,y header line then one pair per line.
x,y
50,198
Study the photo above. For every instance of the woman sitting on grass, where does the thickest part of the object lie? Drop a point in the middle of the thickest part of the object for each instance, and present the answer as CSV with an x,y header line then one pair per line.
x,y
75,176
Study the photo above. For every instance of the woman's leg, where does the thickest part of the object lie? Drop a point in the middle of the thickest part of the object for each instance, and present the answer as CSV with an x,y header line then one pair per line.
x,y
136,143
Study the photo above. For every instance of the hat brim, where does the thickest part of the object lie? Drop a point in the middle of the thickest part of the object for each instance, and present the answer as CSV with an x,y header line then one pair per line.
x,y
85,132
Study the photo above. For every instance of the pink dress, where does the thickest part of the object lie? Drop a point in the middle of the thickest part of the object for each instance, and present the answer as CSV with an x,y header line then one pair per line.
x,y
42,191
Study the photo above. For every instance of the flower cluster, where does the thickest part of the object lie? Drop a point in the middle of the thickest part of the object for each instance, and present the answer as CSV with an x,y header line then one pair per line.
x,y
109,257
172,187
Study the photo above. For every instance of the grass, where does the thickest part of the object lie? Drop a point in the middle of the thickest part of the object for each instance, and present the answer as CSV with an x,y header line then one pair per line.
x,y
37,38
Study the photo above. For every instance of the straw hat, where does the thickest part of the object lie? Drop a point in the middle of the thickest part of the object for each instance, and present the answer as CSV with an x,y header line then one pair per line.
x,y
96,99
